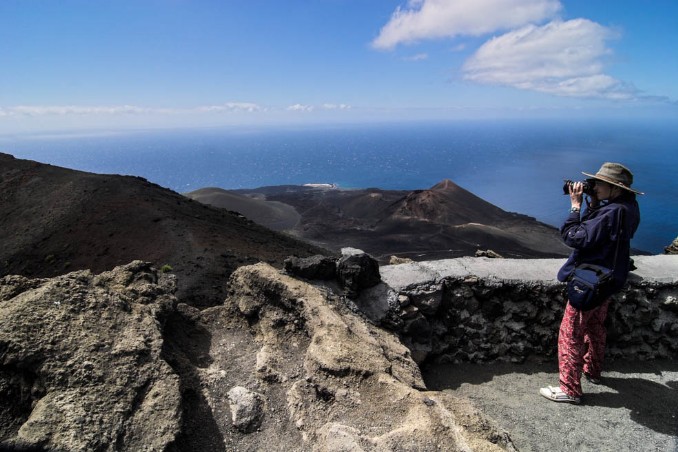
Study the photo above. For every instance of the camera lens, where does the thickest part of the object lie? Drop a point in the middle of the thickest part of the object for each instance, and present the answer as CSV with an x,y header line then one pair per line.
x,y
587,186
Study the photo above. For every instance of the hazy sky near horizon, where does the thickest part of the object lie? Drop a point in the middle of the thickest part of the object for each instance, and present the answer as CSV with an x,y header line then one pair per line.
x,y
77,64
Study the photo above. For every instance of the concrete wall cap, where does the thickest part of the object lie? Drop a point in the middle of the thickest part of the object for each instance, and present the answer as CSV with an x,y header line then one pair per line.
x,y
659,268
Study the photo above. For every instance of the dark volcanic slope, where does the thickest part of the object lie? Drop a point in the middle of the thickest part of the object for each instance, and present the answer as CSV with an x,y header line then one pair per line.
x,y
274,215
441,222
54,220
448,203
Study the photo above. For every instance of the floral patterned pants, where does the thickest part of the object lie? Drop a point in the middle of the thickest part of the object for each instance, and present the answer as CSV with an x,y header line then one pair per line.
x,y
581,346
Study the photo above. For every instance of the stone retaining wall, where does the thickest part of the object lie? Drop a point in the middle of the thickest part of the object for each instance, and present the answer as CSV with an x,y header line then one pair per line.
x,y
481,319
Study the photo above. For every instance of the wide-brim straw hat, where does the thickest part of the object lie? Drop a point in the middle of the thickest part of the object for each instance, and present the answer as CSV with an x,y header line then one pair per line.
x,y
615,174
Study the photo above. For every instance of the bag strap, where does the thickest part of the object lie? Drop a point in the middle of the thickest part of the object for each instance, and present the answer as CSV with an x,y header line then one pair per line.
x,y
619,231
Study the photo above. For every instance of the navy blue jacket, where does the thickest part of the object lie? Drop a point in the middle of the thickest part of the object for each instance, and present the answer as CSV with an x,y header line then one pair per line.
x,y
594,237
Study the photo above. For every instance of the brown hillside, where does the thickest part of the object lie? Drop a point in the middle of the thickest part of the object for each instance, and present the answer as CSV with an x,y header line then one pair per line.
x,y
448,203
55,220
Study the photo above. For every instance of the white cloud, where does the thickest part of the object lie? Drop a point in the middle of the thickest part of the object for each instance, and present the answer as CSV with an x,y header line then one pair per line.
x,y
232,107
561,58
310,108
73,110
300,107
417,57
336,107
64,110
229,109
429,19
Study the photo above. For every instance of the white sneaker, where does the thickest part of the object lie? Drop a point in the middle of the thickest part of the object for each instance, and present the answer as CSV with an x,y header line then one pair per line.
x,y
557,395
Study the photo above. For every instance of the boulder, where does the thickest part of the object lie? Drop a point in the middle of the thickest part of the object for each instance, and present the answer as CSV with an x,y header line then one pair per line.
x,y
247,408
314,267
357,271
672,248
488,253
396,260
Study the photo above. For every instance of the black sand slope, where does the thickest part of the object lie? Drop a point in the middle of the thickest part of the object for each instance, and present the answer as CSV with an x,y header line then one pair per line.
x,y
441,222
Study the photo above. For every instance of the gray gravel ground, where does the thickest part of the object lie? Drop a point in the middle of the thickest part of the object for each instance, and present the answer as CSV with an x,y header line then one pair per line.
x,y
635,408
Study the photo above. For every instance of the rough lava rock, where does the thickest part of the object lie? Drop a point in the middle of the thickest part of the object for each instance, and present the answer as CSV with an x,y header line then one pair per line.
x,y
331,381
672,248
247,408
111,362
80,362
314,267
356,271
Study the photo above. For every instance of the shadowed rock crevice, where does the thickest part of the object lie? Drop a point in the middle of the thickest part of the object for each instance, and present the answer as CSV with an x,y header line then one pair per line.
x,y
186,349
20,389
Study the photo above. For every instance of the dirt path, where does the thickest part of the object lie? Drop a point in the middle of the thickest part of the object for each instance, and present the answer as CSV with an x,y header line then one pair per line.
x,y
634,409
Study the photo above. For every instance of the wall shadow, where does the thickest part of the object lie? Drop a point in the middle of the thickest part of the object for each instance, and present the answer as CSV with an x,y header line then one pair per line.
x,y
651,404
439,377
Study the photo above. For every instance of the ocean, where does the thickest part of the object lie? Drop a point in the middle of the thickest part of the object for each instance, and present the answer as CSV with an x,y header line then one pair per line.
x,y
516,165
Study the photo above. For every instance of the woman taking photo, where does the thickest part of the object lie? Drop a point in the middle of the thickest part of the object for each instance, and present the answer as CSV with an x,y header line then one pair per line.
x,y
600,236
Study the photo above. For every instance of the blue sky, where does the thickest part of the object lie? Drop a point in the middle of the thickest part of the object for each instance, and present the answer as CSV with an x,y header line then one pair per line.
x,y
77,64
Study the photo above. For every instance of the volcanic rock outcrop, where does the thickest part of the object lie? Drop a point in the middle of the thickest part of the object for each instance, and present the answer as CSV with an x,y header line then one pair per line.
x,y
95,362
331,380
81,364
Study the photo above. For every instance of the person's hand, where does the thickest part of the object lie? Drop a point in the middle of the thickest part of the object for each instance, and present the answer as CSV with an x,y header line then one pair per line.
x,y
576,194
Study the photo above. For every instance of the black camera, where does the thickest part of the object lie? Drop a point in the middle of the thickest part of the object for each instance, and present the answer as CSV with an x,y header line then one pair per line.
x,y
588,186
